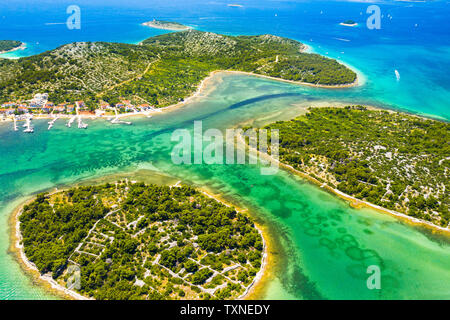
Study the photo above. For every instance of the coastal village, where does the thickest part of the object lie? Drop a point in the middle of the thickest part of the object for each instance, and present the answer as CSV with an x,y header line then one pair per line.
x,y
39,107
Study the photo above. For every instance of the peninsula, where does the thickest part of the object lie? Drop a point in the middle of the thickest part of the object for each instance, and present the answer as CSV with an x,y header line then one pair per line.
x,y
10,45
128,240
389,160
349,23
166,25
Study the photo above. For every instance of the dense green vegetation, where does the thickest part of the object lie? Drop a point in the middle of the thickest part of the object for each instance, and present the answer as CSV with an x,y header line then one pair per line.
x,y
394,160
162,70
137,241
7,45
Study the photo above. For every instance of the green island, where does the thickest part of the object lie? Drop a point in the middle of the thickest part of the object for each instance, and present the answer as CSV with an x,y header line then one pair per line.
x,y
136,241
394,160
9,45
166,25
162,70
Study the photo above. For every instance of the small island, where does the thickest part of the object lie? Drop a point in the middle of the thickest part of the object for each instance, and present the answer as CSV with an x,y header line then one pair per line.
x,y
129,240
10,45
166,25
349,23
390,161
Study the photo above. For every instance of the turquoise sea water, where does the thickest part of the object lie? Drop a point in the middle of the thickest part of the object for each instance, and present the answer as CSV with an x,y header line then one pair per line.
x,y
322,246
416,41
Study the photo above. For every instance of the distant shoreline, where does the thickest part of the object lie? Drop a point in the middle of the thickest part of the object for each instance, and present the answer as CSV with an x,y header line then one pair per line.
x,y
354,202
28,267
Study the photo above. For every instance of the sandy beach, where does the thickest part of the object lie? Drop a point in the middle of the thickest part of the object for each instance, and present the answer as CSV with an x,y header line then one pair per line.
x,y
256,289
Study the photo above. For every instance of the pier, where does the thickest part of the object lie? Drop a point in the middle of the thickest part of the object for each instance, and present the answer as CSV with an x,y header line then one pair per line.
x,y
15,124
29,127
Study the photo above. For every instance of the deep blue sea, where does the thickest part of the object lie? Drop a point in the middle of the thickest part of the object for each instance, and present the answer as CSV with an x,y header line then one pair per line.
x,y
414,38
